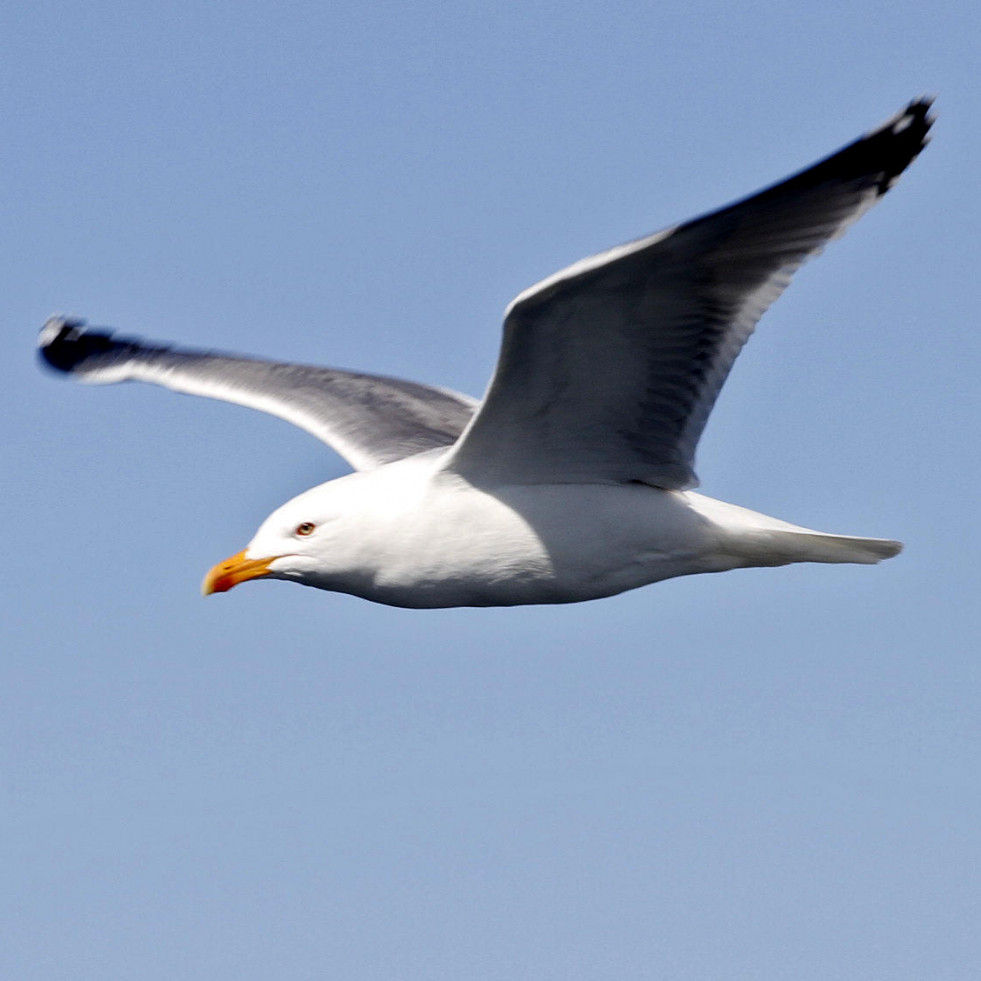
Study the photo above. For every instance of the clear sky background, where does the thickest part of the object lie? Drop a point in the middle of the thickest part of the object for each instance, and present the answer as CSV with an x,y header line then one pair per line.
x,y
768,774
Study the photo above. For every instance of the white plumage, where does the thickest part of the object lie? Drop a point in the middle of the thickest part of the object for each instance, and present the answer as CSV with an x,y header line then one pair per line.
x,y
571,479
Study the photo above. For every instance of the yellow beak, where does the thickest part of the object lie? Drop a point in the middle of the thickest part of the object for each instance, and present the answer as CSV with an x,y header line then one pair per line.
x,y
232,571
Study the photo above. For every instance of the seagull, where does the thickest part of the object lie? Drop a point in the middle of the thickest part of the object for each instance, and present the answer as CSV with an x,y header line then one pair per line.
x,y
573,478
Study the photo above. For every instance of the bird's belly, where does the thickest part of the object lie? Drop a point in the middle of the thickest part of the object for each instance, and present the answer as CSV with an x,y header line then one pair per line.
x,y
538,544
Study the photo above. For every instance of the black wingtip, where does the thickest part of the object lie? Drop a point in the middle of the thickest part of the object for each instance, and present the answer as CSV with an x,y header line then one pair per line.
x,y
875,160
916,118
64,343
907,133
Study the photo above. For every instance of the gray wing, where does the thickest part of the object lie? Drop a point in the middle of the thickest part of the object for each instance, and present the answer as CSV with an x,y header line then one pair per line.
x,y
609,368
368,419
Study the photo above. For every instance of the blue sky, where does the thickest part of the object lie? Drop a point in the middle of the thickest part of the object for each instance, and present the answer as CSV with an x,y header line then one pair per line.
x,y
765,774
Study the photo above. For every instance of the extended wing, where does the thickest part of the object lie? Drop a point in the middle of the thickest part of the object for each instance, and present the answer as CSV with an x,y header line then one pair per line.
x,y
368,419
609,368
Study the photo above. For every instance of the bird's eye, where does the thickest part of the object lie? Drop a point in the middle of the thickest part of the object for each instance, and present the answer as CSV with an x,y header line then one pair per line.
x,y
305,529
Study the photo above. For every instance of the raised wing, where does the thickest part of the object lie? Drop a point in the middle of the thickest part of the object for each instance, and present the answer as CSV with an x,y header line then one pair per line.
x,y
609,368
368,419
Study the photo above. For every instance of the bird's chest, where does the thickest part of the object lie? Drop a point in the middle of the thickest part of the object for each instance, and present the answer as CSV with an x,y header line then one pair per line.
x,y
518,545
458,550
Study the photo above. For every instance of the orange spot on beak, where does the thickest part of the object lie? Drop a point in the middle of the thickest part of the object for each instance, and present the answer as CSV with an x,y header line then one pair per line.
x,y
232,571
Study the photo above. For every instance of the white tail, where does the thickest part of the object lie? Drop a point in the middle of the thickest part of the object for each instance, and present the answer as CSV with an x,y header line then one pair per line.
x,y
813,546
759,540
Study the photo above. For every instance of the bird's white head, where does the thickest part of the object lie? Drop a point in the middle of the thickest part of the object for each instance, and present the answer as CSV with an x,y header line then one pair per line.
x,y
311,539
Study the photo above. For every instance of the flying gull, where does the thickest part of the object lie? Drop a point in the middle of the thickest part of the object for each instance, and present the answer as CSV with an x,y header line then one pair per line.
x,y
572,479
